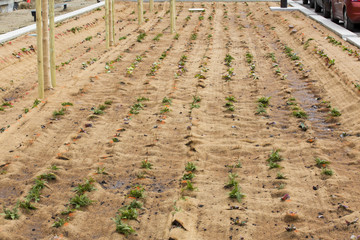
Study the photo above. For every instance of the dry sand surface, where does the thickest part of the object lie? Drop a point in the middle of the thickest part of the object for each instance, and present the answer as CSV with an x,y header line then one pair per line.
x,y
198,128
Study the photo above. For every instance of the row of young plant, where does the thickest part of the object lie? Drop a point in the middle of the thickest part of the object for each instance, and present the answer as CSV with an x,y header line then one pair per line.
x,y
131,68
109,65
33,196
275,65
350,51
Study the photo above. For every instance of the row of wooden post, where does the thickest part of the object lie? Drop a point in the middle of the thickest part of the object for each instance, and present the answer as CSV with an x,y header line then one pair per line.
x,y
46,38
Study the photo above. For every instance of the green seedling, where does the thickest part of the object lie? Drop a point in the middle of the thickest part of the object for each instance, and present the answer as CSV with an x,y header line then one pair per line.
x,y
231,108
193,36
176,37
230,99
48,176
101,171
141,37
321,162
88,38
80,201
300,114
273,165
190,167
102,107
68,211
59,113
142,99
279,175
201,17
66,104
327,171
26,205
7,104
34,193
260,110
108,102
86,187
264,101
229,104
135,204
60,222
128,213
54,167
249,57
122,38
98,112
2,109
236,193
335,112
275,156
281,186
188,176
146,164
157,38
137,191
121,227
232,180
189,186
36,103
187,18
164,110
11,214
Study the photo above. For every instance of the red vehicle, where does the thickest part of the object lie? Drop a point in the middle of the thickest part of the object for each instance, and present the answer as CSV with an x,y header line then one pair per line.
x,y
347,11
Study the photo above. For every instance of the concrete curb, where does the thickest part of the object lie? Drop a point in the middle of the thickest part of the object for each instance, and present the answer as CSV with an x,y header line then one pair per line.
x,y
14,34
337,29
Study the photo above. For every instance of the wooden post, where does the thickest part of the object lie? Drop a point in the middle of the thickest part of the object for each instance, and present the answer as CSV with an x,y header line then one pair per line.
x,y
46,47
52,43
172,16
107,23
39,50
113,20
151,3
110,22
140,12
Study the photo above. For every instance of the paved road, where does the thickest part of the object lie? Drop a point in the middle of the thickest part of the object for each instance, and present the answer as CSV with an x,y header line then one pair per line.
x,y
357,27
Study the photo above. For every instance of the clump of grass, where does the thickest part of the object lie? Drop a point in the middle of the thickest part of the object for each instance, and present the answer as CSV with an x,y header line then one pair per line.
x,y
121,227
335,112
190,167
108,102
86,187
137,191
34,193
80,201
193,36
146,164
98,112
59,113
11,214
327,171
236,193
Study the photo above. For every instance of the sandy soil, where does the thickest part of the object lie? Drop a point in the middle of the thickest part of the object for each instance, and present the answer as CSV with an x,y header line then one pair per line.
x,y
22,17
82,144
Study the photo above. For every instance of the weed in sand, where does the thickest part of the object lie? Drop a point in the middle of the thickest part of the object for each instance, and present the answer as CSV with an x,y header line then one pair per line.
x,y
236,193
86,187
137,191
80,201
121,227
11,214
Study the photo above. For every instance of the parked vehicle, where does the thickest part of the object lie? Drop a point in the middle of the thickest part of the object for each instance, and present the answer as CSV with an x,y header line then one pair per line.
x,y
311,2
324,5
345,10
